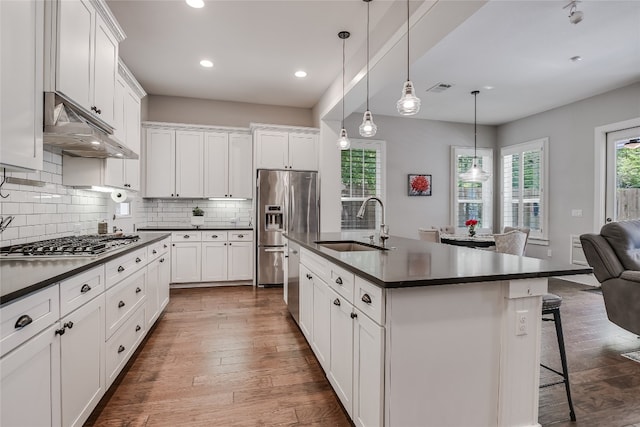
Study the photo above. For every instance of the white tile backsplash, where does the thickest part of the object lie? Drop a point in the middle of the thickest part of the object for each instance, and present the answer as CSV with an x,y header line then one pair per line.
x,y
177,212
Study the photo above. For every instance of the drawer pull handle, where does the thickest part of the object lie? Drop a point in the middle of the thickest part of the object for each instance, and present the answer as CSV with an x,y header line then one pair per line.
x,y
354,315
309,276
120,349
138,328
366,299
186,236
23,321
339,280
164,246
60,331
240,236
161,259
121,304
120,269
85,288
138,290
336,302
154,252
215,236
138,260
68,325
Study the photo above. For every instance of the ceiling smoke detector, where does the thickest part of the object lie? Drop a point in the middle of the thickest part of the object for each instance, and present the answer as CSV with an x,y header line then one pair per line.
x,y
440,87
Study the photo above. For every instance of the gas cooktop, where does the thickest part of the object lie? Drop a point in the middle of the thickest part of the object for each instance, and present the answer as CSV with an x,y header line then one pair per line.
x,y
88,245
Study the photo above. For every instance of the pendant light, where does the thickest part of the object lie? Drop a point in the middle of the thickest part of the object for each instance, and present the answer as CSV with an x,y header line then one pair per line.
x,y
409,103
368,128
475,173
343,141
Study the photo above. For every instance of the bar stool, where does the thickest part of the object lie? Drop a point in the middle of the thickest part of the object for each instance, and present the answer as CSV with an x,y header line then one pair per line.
x,y
551,305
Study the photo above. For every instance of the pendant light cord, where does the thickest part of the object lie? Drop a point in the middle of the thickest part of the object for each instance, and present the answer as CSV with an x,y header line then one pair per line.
x,y
343,43
475,124
408,30
368,3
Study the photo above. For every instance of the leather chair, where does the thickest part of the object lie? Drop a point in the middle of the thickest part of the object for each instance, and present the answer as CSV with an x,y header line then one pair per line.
x,y
614,255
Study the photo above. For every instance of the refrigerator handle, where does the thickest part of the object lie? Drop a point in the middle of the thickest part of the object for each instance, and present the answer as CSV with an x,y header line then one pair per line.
x,y
292,208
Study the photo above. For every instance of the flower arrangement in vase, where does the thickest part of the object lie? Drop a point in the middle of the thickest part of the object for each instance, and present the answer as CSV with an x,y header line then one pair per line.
x,y
198,217
471,223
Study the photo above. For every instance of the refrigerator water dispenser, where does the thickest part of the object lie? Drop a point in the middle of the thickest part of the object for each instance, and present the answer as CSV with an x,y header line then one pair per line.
x,y
274,218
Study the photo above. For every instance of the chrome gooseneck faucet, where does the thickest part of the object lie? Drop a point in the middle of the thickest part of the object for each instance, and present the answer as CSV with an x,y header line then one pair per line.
x,y
384,229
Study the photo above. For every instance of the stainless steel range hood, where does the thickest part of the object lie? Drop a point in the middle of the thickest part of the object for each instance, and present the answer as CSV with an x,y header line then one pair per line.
x,y
78,133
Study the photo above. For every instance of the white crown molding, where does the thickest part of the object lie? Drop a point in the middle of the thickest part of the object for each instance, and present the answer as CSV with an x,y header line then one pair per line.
x,y
111,21
128,77
264,126
194,127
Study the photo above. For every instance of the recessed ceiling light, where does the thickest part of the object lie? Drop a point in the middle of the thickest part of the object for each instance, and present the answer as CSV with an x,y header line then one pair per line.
x,y
575,58
300,74
488,87
206,63
196,4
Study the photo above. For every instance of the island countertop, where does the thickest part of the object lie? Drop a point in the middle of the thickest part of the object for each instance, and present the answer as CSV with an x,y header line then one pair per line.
x,y
19,277
410,262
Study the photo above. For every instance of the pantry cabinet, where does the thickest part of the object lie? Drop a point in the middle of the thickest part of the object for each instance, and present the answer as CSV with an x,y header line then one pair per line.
x,y
286,148
21,101
85,55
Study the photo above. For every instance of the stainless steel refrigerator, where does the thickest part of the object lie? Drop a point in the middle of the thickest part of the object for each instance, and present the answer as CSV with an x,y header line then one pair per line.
x,y
288,202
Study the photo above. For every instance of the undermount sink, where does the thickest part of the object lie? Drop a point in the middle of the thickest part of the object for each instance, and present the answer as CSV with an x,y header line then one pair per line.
x,y
349,246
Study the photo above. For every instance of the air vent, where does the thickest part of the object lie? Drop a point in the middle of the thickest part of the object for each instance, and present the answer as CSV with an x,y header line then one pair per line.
x,y
440,87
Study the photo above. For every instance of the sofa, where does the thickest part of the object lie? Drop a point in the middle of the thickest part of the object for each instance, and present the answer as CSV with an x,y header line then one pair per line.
x,y
614,255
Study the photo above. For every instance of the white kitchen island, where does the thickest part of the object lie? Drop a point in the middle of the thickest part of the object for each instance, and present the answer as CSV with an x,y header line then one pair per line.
x,y
426,334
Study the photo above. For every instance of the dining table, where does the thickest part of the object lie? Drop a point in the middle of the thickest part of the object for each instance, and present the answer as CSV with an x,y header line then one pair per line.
x,y
477,241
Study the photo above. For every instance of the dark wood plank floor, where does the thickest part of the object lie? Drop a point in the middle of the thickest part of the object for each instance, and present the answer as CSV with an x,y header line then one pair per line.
x,y
232,356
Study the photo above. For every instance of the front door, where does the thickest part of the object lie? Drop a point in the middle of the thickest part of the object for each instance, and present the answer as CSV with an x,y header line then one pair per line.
x,y
623,175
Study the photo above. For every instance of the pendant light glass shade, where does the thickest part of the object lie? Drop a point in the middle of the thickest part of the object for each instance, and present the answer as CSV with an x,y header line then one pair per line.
x,y
343,141
475,173
409,103
368,128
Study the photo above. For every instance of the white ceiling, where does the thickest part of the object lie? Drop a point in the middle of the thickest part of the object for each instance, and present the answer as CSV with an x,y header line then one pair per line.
x,y
520,47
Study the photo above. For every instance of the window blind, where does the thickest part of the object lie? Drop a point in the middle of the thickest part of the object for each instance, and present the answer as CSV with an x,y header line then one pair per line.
x,y
472,199
361,173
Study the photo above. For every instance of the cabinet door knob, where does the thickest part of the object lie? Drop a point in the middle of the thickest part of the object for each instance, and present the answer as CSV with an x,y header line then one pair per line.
x,y
229,244
240,236
138,328
354,315
23,321
85,288
186,236
138,260
230,195
161,259
120,269
154,252
121,349
164,246
121,304
60,331
336,302
68,324
138,290
366,299
339,280
171,194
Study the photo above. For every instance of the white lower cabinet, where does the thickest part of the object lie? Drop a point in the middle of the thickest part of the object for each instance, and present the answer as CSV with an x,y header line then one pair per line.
x,y
164,278
185,262
214,261
82,361
121,345
347,341
30,382
240,261
158,278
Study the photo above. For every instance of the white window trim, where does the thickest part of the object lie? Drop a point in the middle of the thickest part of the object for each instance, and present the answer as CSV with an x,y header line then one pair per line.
x,y
481,152
543,143
372,144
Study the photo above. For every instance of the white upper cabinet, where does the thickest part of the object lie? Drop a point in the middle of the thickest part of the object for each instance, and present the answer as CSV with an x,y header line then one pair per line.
x,y
284,148
228,171
85,55
189,164
161,163
21,46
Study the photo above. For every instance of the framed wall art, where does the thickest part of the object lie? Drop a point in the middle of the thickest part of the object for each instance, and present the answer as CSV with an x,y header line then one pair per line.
x,y
419,185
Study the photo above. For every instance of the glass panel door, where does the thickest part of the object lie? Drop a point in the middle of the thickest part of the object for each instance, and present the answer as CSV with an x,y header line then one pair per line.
x,y
623,175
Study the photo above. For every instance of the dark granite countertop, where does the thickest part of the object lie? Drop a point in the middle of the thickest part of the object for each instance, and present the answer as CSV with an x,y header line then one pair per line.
x,y
19,277
410,262
193,228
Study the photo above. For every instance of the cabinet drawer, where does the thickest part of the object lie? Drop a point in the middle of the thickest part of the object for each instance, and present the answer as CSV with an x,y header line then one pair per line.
x,y
123,343
80,289
155,250
124,266
214,236
123,299
24,318
341,281
316,264
241,236
369,298
186,236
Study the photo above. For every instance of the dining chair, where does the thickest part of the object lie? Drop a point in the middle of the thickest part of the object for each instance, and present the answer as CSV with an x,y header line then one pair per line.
x,y
523,229
512,242
429,234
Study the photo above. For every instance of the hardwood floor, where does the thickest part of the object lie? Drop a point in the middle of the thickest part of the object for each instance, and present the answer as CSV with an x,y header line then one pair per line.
x,y
232,356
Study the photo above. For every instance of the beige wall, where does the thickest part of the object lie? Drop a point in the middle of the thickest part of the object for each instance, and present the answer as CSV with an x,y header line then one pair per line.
x,y
222,113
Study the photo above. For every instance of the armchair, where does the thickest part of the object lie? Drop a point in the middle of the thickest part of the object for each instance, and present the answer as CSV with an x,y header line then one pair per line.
x,y
614,255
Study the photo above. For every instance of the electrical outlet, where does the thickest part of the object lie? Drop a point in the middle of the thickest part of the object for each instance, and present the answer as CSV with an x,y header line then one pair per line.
x,y
522,322
576,212
549,252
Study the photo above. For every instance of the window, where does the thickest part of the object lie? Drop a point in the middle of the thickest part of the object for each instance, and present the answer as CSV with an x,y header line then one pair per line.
x,y
524,176
362,171
472,199
123,209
